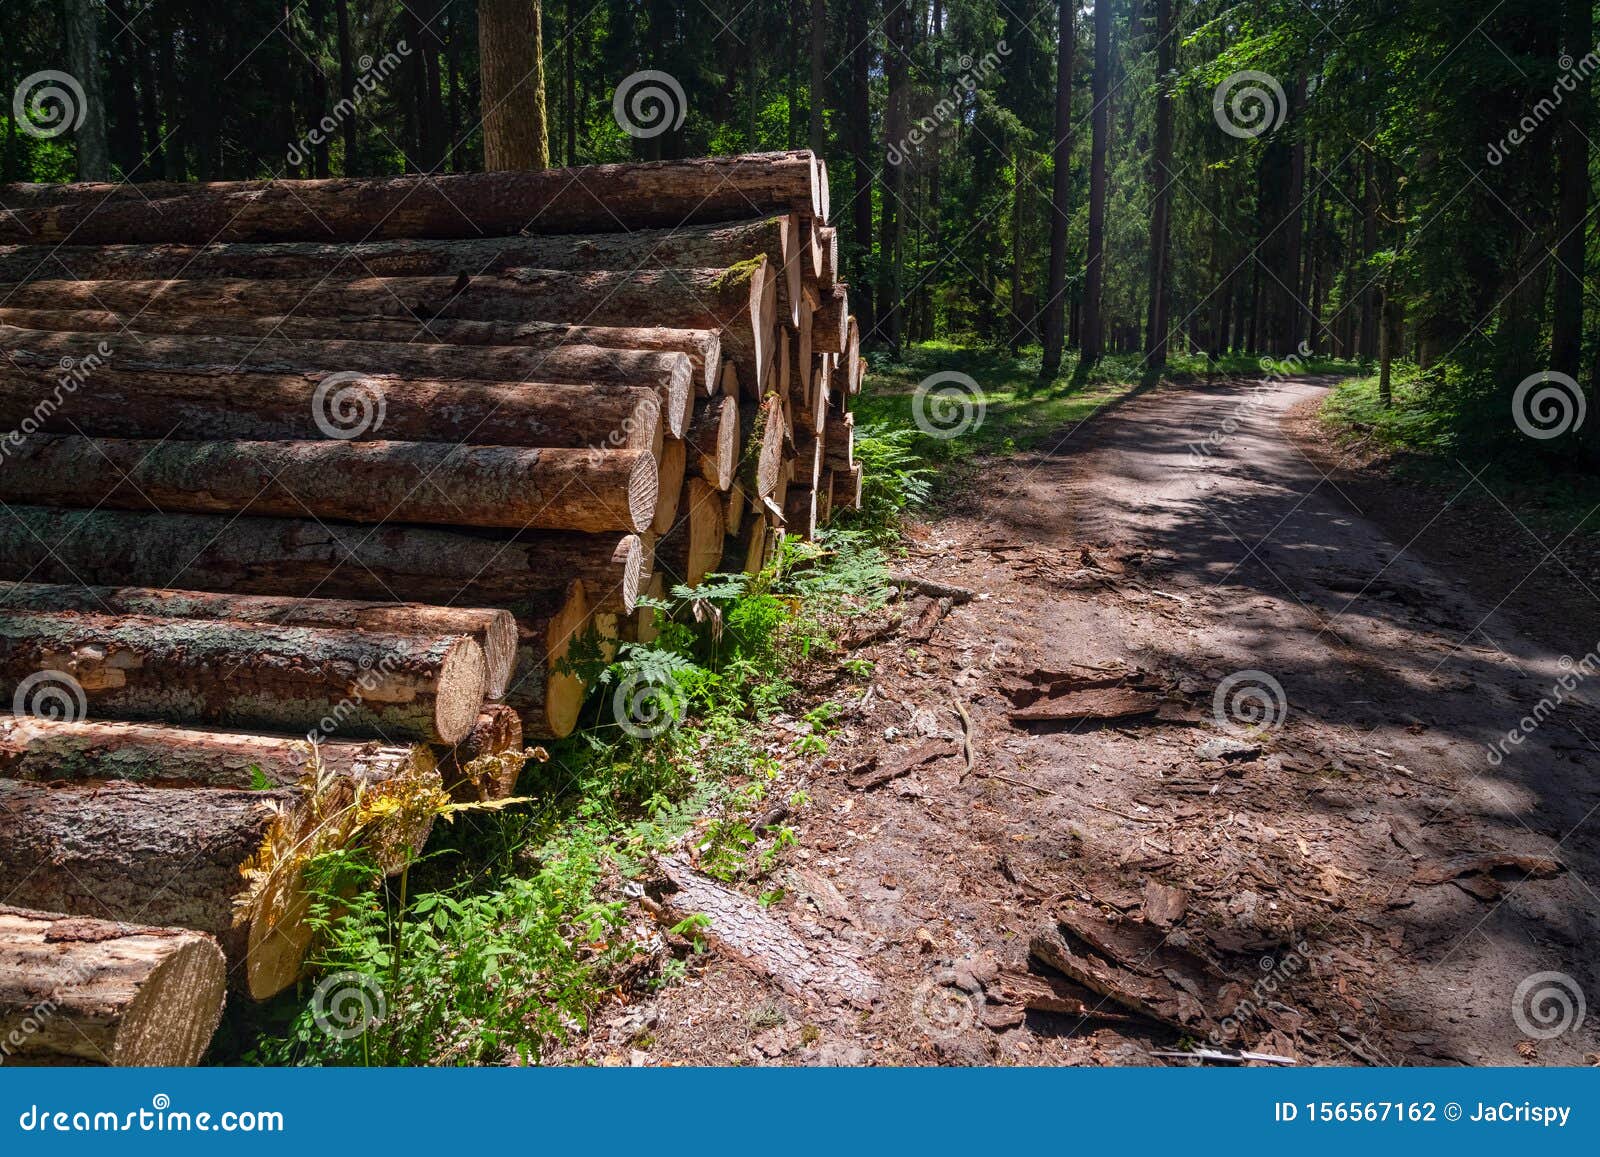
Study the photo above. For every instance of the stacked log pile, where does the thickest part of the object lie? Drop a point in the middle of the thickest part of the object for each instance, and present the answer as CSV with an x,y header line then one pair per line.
x,y
359,461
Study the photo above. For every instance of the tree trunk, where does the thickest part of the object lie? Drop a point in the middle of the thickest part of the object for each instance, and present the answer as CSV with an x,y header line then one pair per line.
x,y
82,19
76,990
249,675
347,90
635,195
1061,191
493,630
819,74
511,64
896,28
159,755
302,558
1094,278
1572,163
384,481
485,765
570,109
859,122
1161,191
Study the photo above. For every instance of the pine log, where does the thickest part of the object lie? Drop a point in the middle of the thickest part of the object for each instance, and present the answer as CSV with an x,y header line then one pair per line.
x,y
734,506
852,360
122,851
763,454
820,183
830,328
468,773
493,630
545,697
419,482
570,351
839,442
390,366
825,499
800,511
269,406
810,255
847,488
653,194
669,486
747,551
82,991
646,621
714,439
694,546
304,558
351,683
160,755
828,248
861,376
741,301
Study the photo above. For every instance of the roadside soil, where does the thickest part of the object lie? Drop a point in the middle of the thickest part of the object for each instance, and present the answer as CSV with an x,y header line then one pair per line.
x,y
1275,823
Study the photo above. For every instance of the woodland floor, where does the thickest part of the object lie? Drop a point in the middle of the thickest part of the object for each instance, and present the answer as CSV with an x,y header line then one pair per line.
x,y
1408,628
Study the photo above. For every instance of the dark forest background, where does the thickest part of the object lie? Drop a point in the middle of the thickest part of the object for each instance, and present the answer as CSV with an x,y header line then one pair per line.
x,y
1423,195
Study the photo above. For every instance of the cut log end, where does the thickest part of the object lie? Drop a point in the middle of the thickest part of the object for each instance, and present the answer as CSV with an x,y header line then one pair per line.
x,y
463,687
565,692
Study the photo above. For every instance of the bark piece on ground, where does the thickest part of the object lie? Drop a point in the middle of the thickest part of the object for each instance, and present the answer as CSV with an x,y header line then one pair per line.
x,y
876,772
764,942
1039,992
1164,905
1485,875
1090,705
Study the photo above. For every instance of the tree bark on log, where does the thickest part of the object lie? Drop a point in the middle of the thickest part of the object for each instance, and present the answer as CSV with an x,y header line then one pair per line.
x,y
466,772
159,755
495,631
218,359
740,301
637,195
847,489
306,559
714,438
374,482
571,353
828,258
763,453
669,485
271,406
694,546
289,679
83,991
839,442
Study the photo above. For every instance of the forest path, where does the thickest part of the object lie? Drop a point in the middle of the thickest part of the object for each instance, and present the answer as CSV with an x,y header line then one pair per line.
x,y
1349,869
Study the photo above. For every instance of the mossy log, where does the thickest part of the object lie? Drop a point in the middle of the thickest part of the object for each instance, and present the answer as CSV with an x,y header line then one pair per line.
x,y
79,991
632,195
417,482
292,679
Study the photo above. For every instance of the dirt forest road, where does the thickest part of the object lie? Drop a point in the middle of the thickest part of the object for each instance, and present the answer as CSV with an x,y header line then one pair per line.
x,y
1322,861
